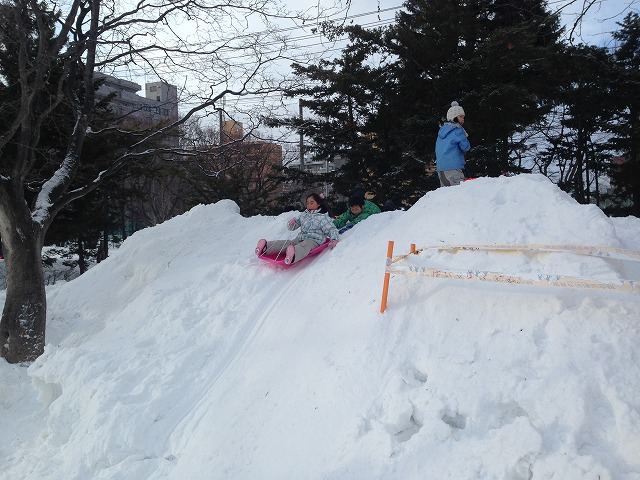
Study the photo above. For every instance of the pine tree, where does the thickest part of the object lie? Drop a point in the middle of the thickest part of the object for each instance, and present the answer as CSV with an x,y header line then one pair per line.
x,y
626,176
380,103
493,58
586,99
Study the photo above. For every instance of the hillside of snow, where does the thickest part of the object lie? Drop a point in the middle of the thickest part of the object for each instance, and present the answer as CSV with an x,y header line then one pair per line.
x,y
184,356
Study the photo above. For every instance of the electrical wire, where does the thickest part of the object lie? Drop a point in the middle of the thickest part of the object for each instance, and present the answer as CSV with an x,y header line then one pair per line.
x,y
300,52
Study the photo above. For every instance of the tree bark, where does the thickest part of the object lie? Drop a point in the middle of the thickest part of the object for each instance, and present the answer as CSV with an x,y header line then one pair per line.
x,y
82,262
22,330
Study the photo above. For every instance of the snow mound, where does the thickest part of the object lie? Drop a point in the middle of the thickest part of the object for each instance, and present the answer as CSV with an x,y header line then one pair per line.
x,y
185,356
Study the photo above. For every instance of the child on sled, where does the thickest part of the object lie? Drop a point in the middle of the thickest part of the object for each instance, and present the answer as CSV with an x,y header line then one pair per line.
x,y
315,228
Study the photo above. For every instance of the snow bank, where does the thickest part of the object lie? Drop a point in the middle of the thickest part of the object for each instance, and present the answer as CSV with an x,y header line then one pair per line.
x,y
185,356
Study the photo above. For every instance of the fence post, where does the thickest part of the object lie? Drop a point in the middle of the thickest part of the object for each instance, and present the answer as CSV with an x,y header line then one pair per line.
x,y
387,276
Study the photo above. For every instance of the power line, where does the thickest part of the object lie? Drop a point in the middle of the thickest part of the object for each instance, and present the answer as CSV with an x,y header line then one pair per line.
x,y
276,31
299,54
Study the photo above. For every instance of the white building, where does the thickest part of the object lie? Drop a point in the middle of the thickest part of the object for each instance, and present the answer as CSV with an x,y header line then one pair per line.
x,y
159,105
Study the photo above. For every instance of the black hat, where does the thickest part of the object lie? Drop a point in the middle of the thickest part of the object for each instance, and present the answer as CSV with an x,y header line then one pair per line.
x,y
356,200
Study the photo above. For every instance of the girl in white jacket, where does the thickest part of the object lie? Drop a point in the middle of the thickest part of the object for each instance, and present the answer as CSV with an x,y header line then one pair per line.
x,y
315,228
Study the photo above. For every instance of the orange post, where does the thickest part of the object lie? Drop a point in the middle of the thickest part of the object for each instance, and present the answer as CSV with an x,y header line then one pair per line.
x,y
387,276
413,248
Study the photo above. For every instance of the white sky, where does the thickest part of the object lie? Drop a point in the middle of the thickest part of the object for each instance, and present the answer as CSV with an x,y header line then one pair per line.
x,y
600,20
183,356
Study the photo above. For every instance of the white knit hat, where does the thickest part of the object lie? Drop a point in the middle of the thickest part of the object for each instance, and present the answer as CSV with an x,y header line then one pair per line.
x,y
454,111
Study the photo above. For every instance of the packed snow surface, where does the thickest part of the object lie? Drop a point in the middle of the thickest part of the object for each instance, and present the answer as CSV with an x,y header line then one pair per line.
x,y
184,356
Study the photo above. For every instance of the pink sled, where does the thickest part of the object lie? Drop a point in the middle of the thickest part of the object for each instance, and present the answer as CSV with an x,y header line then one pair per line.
x,y
278,257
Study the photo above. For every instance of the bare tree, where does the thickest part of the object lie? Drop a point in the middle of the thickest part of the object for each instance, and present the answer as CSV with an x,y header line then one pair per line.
x,y
577,12
206,42
246,168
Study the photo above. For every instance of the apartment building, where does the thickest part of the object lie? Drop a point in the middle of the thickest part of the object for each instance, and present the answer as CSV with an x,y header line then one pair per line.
x,y
158,106
162,197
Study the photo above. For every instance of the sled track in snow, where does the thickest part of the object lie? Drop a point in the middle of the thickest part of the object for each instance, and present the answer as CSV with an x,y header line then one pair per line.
x,y
252,329
229,362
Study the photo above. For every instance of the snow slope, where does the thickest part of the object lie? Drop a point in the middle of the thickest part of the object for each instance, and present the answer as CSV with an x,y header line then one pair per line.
x,y
183,356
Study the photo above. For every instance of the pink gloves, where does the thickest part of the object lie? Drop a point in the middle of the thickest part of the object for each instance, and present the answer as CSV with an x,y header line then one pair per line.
x,y
292,223
333,243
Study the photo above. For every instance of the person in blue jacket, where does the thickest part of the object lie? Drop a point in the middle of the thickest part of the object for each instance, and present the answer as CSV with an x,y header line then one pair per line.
x,y
451,145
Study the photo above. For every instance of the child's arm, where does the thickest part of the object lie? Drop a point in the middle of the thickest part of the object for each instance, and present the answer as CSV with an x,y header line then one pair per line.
x,y
293,223
330,229
342,220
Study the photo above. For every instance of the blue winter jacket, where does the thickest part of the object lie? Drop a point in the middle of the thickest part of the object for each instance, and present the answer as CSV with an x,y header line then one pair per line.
x,y
451,146
315,226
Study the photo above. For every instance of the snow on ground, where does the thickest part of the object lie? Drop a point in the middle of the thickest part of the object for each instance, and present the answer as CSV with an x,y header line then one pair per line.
x,y
183,356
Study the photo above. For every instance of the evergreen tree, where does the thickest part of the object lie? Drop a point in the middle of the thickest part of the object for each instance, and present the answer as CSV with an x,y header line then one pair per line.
x,y
380,103
495,59
576,155
626,131
86,224
353,118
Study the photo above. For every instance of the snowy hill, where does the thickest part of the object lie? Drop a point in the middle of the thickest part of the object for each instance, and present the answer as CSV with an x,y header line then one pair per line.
x,y
183,356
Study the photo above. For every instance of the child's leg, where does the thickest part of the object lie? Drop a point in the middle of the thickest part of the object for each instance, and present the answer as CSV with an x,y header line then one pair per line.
x,y
303,248
277,246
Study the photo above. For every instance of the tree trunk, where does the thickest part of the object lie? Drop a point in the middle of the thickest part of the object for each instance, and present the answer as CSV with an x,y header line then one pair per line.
x,y
105,244
22,327
82,267
578,179
635,195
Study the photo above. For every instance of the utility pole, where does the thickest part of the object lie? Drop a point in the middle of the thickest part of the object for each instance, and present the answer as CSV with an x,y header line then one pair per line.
x,y
300,102
221,125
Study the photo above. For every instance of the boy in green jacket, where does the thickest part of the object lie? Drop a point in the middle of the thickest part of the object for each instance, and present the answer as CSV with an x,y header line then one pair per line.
x,y
359,209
